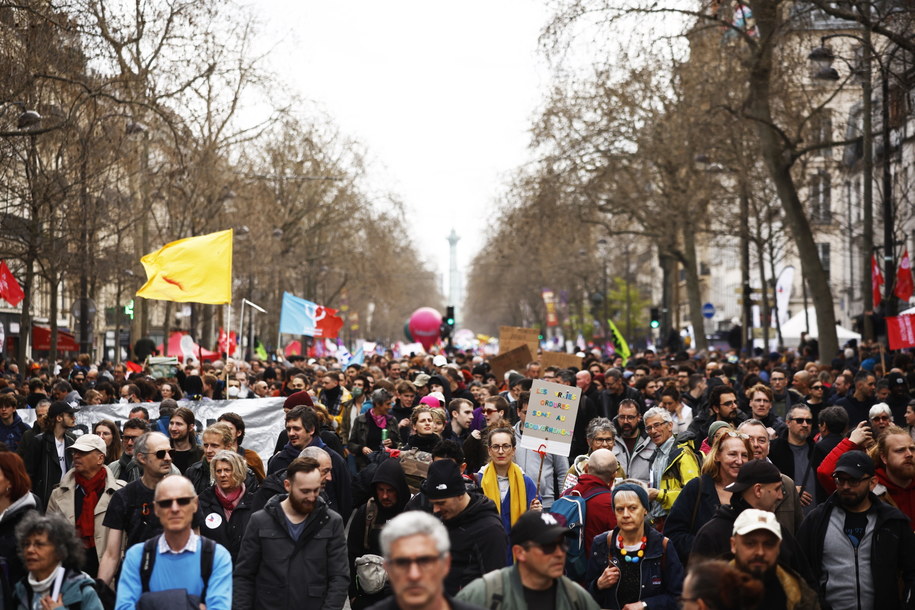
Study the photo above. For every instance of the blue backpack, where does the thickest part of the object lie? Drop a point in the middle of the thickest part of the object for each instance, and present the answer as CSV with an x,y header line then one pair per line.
x,y
573,508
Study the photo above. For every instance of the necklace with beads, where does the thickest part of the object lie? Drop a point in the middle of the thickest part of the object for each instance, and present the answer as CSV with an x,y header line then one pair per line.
x,y
631,556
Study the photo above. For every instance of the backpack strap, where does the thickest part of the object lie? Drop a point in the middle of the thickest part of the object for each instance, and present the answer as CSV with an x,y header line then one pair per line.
x,y
207,555
147,561
692,520
493,588
664,557
597,493
371,516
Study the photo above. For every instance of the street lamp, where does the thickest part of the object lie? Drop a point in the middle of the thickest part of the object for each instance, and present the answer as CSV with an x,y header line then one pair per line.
x,y
821,59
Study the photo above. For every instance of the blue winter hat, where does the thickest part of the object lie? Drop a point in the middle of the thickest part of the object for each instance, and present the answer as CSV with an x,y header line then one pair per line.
x,y
637,489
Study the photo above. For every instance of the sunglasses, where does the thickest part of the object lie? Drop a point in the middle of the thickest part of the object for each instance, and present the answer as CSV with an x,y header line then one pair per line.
x,y
816,387
737,435
423,562
802,420
550,548
161,453
168,503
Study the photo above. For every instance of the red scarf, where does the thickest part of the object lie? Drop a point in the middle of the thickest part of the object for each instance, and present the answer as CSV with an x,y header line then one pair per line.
x,y
229,501
92,489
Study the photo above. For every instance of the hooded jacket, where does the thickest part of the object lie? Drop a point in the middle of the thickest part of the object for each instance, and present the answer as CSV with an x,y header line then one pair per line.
x,y
275,572
12,434
9,519
365,528
478,543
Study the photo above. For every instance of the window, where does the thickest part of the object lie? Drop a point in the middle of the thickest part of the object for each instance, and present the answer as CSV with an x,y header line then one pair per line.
x,y
820,198
823,252
821,132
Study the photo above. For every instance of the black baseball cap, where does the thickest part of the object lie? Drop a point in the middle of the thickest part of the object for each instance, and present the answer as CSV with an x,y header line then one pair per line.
x,y
539,527
59,407
753,472
856,464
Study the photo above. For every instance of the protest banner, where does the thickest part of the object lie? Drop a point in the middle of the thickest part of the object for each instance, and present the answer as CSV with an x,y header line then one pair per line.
x,y
560,359
516,359
264,418
551,414
900,331
511,337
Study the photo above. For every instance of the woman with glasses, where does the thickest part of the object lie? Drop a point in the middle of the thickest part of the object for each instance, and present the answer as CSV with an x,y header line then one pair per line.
x,y
600,434
226,505
53,556
701,497
504,482
633,566
816,399
717,585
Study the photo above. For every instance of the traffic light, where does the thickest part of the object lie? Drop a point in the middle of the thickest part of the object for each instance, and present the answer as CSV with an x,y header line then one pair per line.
x,y
447,327
128,309
655,317
449,316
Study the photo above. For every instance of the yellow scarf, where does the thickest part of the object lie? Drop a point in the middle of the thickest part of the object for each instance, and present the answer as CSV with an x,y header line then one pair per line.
x,y
516,488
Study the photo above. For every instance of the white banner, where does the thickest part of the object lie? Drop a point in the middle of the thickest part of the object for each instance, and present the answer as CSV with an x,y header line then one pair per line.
x,y
264,418
783,286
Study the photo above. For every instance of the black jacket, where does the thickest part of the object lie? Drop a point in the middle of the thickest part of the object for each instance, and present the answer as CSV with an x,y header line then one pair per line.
x,y
695,505
227,533
608,404
339,488
713,540
782,456
43,464
15,570
892,562
199,474
391,604
478,543
275,572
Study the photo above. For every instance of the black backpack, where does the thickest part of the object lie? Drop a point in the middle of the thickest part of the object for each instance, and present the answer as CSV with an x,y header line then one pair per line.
x,y
167,599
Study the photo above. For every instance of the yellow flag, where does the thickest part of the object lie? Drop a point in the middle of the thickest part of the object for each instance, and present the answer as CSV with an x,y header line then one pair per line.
x,y
191,270
619,341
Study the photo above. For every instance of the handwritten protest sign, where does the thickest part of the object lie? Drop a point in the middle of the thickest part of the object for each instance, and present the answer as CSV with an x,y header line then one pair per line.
x,y
515,359
550,421
560,359
511,337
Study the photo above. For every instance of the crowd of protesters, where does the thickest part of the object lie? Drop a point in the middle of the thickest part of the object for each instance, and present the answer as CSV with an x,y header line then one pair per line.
x,y
694,480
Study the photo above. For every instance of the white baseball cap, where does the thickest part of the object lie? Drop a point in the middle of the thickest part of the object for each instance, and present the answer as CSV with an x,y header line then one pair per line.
x,y
752,519
89,442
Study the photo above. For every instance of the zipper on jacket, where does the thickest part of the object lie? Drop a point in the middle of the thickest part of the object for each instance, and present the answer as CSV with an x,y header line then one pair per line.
x,y
857,579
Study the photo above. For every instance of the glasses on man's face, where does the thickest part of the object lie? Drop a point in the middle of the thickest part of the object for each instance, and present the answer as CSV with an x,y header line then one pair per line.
x,y
729,403
161,453
651,427
164,504
129,439
550,548
501,448
423,562
848,481
802,420
627,417
489,411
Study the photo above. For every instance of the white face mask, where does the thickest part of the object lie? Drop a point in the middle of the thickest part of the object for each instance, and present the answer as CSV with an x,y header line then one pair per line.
x,y
123,400
233,391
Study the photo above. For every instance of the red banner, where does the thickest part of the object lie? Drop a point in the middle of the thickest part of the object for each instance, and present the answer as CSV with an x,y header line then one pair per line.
x,y
10,290
900,331
904,277
41,340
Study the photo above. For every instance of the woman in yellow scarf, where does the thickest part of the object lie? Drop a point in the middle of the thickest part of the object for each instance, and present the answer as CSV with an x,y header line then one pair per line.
x,y
504,482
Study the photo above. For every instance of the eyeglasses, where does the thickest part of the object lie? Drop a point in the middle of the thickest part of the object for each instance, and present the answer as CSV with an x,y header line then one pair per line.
x,y
36,544
881,418
130,439
802,420
848,481
500,448
651,427
602,441
816,387
169,503
550,548
737,435
729,403
161,453
627,417
423,562
490,411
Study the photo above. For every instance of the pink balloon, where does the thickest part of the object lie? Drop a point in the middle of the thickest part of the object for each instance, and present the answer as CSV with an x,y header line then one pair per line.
x,y
425,325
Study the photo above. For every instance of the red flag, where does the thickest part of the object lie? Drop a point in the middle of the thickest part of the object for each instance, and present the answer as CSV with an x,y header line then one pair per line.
x,y
876,280
327,322
904,277
10,290
232,342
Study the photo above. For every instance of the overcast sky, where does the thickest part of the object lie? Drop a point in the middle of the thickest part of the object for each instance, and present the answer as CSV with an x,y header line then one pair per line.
x,y
441,94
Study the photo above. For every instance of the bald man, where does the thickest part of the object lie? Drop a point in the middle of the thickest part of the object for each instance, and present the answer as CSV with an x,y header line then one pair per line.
x,y
595,486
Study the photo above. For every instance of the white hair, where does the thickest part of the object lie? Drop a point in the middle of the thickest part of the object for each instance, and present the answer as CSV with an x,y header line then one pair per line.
x,y
878,409
414,523
658,412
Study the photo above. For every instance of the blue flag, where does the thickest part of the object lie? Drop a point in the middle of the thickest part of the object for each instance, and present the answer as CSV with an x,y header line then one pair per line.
x,y
301,317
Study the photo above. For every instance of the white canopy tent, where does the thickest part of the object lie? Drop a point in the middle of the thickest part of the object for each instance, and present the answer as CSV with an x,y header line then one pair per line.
x,y
796,325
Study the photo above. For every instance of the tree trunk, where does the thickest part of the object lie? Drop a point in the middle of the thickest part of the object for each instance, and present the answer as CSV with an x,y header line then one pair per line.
x,y
25,318
764,319
693,291
52,353
777,157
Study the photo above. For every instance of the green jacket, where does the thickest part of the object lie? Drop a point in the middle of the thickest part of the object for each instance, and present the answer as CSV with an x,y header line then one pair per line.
x,y
682,467
507,582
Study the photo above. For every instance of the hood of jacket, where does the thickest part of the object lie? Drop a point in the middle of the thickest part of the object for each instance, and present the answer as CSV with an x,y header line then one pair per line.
x,y
480,506
391,472
24,503
17,423
589,483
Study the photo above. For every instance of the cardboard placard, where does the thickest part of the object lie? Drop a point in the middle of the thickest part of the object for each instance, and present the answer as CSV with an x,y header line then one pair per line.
x,y
560,359
515,359
511,337
551,414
